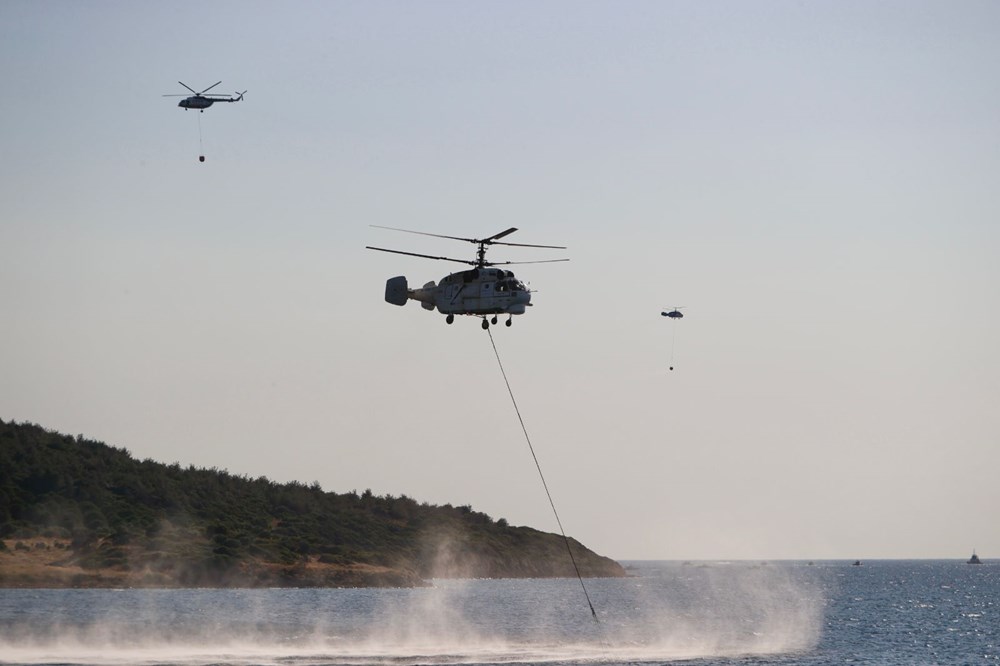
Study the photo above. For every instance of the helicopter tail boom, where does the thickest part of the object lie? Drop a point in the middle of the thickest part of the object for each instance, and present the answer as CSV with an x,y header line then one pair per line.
x,y
397,292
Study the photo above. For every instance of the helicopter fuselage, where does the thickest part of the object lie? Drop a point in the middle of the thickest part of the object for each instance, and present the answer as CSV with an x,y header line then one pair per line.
x,y
199,102
478,291
196,102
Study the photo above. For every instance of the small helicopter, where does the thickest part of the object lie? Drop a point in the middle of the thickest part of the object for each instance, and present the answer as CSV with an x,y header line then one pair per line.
x,y
202,101
482,291
674,314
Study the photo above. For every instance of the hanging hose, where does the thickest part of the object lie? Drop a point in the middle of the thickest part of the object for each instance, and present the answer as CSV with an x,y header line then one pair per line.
x,y
201,146
542,476
673,339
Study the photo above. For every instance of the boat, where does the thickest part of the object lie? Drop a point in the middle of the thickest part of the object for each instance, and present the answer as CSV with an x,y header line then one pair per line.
x,y
974,559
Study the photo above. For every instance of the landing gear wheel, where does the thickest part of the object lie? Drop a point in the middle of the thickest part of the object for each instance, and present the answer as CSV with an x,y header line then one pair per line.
x,y
494,320
450,319
509,322
486,324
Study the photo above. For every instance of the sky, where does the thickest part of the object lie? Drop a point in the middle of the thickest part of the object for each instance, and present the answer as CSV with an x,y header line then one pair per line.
x,y
817,183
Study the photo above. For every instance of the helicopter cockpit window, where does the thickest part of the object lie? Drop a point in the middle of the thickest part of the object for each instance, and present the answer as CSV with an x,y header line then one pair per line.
x,y
509,284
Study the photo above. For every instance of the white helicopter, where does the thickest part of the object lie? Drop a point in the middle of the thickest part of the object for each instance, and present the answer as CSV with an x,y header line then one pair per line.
x,y
482,291
202,101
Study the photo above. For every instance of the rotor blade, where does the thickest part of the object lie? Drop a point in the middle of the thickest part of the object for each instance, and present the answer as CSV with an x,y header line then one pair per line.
x,y
551,247
178,95
189,87
493,238
208,88
424,233
508,263
425,256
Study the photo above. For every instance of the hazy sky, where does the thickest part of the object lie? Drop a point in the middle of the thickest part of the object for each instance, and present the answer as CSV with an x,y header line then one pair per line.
x,y
817,182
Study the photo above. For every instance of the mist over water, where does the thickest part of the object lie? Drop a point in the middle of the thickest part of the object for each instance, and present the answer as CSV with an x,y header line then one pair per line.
x,y
662,613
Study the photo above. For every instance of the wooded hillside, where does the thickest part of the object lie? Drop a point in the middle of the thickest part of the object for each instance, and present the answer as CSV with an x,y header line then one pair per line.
x,y
75,512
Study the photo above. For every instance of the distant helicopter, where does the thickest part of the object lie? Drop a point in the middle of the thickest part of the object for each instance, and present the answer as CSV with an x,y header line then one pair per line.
x,y
674,314
480,292
202,101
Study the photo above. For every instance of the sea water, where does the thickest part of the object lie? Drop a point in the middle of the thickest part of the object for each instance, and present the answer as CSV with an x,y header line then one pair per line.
x,y
695,614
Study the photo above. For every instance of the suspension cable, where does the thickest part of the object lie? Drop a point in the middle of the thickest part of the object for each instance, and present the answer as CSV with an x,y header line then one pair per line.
x,y
542,477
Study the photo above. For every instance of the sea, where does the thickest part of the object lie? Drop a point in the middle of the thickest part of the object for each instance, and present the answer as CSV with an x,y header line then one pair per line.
x,y
821,613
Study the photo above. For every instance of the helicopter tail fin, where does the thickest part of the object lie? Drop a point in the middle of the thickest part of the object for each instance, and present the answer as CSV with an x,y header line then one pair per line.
x,y
396,290
426,296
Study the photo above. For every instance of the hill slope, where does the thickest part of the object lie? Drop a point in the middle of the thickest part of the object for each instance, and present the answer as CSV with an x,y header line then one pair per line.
x,y
75,512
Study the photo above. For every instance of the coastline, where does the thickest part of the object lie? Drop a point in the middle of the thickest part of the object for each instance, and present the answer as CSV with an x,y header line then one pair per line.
x,y
50,563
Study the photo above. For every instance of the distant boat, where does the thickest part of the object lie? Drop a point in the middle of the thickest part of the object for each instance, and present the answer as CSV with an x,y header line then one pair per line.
x,y
974,559
857,563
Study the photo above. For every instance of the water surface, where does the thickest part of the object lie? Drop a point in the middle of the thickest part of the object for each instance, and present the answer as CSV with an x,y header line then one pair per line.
x,y
889,612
